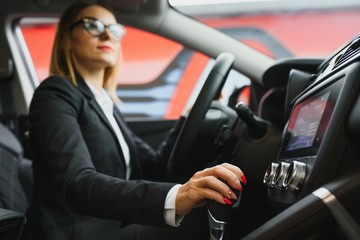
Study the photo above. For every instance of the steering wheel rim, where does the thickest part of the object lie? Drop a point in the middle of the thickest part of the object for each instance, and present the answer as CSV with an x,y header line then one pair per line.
x,y
179,157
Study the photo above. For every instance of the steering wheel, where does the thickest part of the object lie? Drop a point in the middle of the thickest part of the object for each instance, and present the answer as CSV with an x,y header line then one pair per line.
x,y
179,159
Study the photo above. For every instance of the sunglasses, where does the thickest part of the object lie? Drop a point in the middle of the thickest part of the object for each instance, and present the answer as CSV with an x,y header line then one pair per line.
x,y
96,28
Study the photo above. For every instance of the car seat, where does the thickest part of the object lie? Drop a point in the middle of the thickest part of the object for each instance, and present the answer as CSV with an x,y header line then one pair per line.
x,y
15,185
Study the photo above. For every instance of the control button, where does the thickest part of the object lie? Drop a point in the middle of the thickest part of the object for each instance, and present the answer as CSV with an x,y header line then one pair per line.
x,y
295,176
276,174
284,166
270,174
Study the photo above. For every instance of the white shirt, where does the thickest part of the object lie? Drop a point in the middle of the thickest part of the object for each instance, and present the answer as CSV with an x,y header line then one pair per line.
x,y
107,105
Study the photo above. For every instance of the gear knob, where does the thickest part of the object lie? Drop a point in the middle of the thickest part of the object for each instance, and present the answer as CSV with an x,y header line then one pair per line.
x,y
219,216
257,127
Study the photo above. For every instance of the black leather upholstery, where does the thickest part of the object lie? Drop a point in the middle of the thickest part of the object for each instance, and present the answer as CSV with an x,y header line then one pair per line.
x,y
11,224
15,185
15,173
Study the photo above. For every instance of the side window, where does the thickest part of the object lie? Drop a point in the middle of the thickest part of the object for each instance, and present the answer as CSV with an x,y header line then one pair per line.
x,y
39,38
157,76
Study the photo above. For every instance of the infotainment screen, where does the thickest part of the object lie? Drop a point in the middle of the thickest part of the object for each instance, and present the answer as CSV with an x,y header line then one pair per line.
x,y
305,123
308,123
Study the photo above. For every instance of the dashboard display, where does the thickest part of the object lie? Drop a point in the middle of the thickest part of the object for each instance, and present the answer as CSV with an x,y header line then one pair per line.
x,y
309,123
305,123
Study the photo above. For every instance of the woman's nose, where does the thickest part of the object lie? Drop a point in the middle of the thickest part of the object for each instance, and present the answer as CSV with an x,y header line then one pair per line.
x,y
107,35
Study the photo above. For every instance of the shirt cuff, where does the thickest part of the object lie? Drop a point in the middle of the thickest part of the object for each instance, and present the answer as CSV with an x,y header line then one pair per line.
x,y
170,216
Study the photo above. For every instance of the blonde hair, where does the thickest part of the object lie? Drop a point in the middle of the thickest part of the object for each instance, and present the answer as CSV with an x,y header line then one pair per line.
x,y
61,63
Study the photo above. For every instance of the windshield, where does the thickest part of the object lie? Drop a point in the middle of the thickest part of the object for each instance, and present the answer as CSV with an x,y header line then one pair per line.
x,y
280,28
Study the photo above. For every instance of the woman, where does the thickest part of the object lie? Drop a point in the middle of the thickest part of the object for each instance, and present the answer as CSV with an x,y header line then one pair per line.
x,y
86,160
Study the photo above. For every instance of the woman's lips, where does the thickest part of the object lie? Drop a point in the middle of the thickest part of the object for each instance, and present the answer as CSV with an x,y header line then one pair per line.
x,y
105,48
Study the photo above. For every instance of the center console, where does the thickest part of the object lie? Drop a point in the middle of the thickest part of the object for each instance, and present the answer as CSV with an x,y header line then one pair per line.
x,y
318,143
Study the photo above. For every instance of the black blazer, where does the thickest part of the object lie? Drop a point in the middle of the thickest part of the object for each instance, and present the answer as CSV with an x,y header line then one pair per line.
x,y
79,168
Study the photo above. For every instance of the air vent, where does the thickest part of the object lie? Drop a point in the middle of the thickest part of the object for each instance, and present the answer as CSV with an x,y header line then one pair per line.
x,y
353,50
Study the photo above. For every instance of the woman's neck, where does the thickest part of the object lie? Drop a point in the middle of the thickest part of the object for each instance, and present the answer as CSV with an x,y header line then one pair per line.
x,y
94,77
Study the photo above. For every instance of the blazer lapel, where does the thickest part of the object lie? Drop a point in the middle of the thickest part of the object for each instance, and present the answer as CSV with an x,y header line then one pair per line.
x,y
135,167
83,87
135,162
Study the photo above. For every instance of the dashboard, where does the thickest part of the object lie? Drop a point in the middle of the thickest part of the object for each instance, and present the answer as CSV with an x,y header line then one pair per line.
x,y
320,140
313,183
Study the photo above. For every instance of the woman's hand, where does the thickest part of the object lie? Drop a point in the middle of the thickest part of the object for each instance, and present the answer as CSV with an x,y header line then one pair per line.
x,y
208,184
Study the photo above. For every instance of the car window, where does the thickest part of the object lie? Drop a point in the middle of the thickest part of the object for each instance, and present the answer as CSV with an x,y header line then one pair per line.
x,y
157,77
280,28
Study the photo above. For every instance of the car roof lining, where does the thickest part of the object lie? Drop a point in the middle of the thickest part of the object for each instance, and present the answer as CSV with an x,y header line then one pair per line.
x,y
169,23
133,6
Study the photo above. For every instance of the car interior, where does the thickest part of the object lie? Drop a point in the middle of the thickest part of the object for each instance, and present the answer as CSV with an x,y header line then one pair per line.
x,y
297,140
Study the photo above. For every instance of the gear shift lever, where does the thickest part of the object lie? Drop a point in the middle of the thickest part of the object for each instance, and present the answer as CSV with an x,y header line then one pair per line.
x,y
219,216
256,126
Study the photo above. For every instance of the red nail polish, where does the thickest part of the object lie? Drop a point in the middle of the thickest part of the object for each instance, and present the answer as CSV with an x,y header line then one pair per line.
x,y
227,201
243,179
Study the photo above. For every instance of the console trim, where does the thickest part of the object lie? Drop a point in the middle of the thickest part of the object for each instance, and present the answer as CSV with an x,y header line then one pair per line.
x,y
344,219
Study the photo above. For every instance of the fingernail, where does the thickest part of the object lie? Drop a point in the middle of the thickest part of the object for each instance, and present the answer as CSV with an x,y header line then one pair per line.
x,y
243,179
227,201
